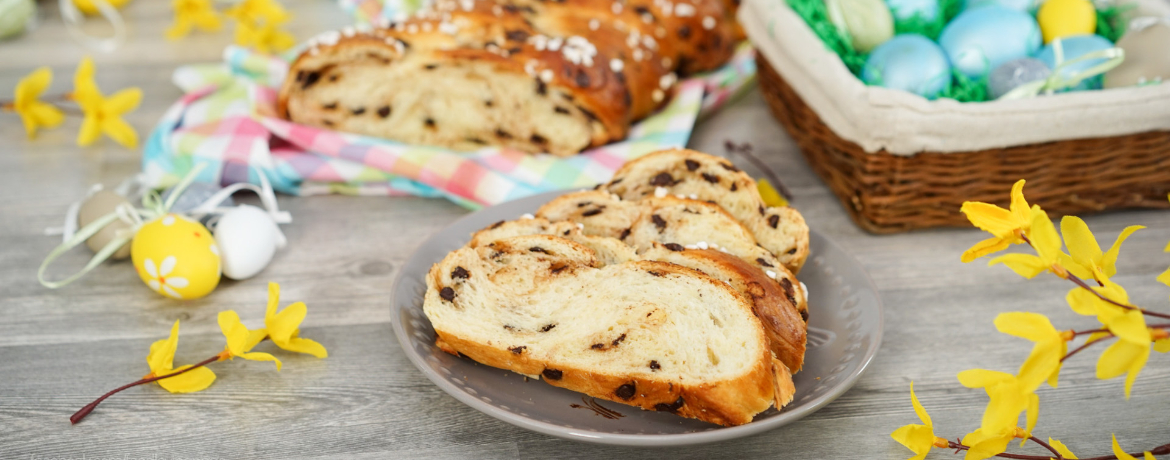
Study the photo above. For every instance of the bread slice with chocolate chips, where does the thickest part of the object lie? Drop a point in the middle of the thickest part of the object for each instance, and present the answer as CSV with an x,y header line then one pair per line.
x,y
781,230
650,334
780,303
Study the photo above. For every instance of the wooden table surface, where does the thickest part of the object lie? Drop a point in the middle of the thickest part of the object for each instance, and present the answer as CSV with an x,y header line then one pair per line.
x,y
61,348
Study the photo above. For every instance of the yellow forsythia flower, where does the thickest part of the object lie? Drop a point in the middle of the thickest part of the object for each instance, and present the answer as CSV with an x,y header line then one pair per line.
x,y
283,327
240,340
1131,351
34,113
193,13
1047,244
1085,258
103,115
1164,278
1051,344
264,38
88,6
983,443
1008,227
1122,455
161,360
1063,449
1009,395
918,438
259,12
771,197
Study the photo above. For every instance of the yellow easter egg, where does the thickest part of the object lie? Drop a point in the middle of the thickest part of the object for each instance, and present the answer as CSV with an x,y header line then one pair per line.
x,y
177,257
1065,18
89,6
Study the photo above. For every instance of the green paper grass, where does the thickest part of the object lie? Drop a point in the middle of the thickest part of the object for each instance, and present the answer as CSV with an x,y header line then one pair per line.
x,y
965,89
1111,21
917,25
817,17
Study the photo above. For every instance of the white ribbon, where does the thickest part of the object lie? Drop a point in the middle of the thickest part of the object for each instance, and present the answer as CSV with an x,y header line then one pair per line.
x,y
1056,81
74,20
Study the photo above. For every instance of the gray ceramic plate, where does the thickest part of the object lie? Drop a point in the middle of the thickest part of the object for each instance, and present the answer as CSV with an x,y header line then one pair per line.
x,y
845,328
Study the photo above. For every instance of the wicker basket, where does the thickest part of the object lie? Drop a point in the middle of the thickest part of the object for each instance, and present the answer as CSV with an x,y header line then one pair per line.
x,y
887,193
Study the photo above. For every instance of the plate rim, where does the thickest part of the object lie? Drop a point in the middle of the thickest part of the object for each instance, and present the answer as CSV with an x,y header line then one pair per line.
x,y
634,440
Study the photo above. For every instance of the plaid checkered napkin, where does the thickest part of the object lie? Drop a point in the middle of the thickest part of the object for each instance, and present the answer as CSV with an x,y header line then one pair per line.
x,y
227,121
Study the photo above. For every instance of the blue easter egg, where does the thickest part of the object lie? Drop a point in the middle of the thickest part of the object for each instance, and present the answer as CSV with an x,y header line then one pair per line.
x,y
1025,6
927,10
909,62
1074,47
982,39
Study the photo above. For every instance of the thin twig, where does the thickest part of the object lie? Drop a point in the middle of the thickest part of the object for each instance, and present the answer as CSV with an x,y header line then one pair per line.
x,y
76,417
1083,285
1082,347
1046,446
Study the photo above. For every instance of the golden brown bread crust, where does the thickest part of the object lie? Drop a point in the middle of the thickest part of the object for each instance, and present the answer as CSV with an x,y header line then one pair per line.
x,y
728,402
772,304
713,178
640,45
501,42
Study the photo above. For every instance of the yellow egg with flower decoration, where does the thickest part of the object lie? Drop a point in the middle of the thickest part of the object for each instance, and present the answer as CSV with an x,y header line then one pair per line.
x,y
177,257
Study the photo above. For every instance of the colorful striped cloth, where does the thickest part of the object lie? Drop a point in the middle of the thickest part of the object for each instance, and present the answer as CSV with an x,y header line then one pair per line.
x,y
227,121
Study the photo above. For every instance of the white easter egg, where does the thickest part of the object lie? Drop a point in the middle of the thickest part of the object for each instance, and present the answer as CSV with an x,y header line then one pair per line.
x,y
247,239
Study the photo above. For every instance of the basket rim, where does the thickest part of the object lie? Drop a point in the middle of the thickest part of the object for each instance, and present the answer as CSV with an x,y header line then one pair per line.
x,y
901,123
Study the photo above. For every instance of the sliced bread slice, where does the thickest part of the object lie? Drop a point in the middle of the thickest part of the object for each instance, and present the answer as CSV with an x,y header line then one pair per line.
x,y
782,230
780,302
650,334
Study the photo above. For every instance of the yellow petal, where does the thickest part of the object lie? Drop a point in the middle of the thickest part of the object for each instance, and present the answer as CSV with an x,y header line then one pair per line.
x,y
984,445
1025,265
261,357
1121,455
771,197
162,352
123,101
84,88
120,131
281,40
234,332
1135,368
982,378
1006,401
31,86
90,131
917,438
1044,237
1109,259
255,337
208,21
46,114
1026,325
179,29
1063,449
1148,455
1162,345
30,125
188,382
985,247
1082,246
1033,414
284,324
990,218
1164,278
273,301
1131,327
1123,357
1075,268
918,409
1019,206
307,346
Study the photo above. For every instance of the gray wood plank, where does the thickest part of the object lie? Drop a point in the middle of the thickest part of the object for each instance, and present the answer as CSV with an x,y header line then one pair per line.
x,y
61,348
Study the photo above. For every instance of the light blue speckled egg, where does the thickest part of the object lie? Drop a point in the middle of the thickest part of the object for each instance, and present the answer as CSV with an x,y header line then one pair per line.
x,y
1074,47
909,62
1026,6
980,40
926,10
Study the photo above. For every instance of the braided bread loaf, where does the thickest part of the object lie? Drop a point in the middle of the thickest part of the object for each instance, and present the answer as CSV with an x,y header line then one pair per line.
x,y
534,75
